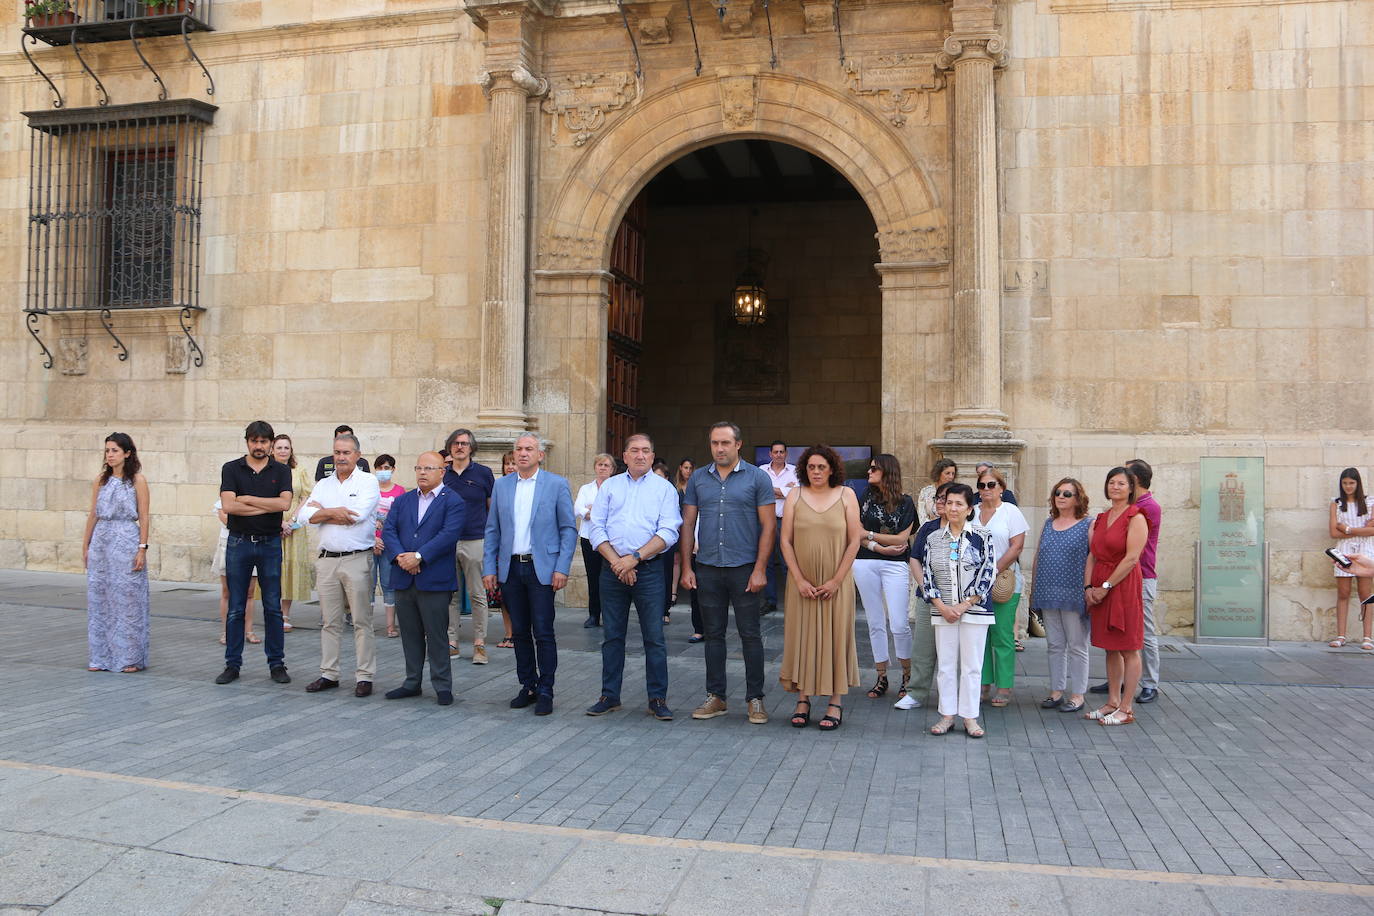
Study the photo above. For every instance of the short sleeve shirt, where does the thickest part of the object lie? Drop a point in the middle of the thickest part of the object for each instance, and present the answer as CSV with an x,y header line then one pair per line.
x,y
273,480
728,513
474,487
1150,508
875,517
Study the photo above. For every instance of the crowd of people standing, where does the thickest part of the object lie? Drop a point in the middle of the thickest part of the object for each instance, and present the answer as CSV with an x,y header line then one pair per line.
x,y
939,575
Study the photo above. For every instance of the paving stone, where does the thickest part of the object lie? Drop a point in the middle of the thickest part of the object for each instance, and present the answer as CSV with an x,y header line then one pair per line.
x,y
609,876
717,882
487,863
37,870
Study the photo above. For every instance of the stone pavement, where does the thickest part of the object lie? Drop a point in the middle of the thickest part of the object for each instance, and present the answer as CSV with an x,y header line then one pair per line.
x,y
165,789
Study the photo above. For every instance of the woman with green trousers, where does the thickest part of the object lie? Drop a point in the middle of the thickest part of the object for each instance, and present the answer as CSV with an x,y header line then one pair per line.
x,y
1008,528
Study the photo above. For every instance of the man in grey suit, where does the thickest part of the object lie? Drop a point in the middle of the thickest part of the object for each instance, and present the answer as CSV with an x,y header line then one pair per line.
x,y
530,540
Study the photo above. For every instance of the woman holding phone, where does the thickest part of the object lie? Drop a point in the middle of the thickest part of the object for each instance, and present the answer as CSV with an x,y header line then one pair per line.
x,y
1351,523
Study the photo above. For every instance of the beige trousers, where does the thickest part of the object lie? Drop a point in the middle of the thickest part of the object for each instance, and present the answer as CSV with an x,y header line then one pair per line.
x,y
470,562
345,586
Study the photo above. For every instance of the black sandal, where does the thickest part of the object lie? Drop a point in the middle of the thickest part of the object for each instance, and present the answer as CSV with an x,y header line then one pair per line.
x,y
879,688
833,721
801,720
906,679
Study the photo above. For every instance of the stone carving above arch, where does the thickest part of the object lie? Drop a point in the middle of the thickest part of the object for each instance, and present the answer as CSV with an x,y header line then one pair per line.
x,y
594,189
581,101
913,244
900,85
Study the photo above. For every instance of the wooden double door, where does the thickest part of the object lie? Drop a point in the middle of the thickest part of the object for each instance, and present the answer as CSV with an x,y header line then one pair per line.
x,y
625,329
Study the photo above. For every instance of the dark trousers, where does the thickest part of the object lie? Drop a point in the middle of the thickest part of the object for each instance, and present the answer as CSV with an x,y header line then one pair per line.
x,y
777,571
241,557
669,583
593,562
697,625
423,619
647,594
530,605
720,587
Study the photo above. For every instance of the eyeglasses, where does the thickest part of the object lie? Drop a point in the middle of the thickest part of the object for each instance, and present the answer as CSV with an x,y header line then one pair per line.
x,y
418,468
987,484
1067,494
461,444
872,468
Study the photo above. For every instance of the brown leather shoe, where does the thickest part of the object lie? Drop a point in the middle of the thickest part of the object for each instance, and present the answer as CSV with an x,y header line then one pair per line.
x,y
479,655
320,683
364,689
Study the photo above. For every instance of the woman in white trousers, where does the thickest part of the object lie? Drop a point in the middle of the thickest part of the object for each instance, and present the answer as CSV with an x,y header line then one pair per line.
x,y
959,567
881,573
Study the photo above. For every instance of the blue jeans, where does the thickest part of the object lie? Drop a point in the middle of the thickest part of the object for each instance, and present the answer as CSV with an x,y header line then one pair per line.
x,y
647,594
530,605
381,575
241,557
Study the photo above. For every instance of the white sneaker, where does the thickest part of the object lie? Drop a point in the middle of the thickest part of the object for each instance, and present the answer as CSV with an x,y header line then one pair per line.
x,y
907,702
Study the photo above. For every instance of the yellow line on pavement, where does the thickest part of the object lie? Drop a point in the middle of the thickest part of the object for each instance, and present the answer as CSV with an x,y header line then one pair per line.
x,y
781,852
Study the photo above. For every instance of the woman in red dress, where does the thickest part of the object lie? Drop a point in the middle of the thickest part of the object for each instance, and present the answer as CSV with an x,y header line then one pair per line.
x,y
1112,582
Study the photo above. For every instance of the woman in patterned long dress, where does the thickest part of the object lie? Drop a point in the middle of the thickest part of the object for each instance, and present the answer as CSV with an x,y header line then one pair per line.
x,y
820,537
297,570
1352,524
114,552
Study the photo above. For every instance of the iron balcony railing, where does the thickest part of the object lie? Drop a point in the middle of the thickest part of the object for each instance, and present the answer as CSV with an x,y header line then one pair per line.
x,y
63,22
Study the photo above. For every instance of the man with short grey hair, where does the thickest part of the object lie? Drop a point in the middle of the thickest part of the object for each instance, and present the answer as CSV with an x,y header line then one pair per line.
x,y
341,506
471,482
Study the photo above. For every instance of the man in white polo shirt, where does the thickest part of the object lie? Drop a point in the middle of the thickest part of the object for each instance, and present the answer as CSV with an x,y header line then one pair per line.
x,y
342,505
784,478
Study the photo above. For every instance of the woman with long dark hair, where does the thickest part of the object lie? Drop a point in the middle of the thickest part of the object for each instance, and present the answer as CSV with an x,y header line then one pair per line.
x,y
297,566
115,554
1352,525
880,570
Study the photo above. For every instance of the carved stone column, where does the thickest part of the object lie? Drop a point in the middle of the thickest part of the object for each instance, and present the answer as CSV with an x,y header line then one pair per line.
x,y
977,426
501,398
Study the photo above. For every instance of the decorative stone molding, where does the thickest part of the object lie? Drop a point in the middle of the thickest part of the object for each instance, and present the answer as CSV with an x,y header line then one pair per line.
x,y
965,47
818,15
919,243
898,84
654,30
569,252
736,19
581,101
178,354
515,78
1025,276
73,355
738,96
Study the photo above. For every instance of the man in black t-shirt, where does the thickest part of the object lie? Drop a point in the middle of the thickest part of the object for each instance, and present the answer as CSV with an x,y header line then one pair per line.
x,y
325,466
254,492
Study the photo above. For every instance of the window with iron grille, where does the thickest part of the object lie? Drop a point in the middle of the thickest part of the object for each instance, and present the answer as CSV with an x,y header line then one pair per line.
x,y
115,207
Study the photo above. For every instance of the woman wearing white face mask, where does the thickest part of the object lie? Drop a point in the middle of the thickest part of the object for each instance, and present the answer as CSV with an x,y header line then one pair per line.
x,y
383,469
297,567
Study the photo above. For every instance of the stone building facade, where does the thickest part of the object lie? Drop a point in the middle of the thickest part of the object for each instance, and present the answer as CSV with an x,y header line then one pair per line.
x,y
1088,230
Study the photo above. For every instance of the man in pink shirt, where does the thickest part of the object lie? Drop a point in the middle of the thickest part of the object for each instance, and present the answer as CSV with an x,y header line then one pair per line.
x,y
1149,585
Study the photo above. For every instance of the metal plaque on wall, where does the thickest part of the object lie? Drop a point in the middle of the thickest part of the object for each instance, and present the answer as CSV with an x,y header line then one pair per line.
x,y
752,361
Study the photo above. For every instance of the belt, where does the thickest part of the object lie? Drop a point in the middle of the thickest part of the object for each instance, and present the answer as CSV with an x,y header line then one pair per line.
x,y
256,538
523,557
343,553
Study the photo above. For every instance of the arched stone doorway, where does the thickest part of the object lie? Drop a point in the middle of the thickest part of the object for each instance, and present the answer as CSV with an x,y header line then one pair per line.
x,y
810,370
585,197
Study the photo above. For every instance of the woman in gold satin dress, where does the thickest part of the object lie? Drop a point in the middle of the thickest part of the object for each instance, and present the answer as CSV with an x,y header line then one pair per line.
x,y
820,536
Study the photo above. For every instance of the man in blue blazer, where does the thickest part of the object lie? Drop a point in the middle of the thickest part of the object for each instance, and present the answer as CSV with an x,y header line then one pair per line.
x,y
421,532
530,540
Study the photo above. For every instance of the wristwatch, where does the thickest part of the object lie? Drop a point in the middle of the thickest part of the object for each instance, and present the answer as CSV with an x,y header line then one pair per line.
x,y
635,554
418,558
1106,586
142,546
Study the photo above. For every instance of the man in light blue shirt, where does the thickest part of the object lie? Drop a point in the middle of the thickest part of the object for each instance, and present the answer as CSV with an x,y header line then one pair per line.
x,y
634,519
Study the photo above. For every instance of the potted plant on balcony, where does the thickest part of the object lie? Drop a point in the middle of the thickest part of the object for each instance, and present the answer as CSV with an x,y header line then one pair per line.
x,y
44,13
169,7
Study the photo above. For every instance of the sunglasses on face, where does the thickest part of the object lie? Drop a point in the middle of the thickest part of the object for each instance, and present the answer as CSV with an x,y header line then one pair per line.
x,y
1067,494
987,484
872,468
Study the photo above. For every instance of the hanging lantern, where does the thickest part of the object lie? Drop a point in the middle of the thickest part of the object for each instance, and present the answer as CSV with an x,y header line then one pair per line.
x,y
750,300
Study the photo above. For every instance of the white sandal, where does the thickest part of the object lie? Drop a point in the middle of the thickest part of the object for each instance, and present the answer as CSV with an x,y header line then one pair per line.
x,y
1367,644
1098,714
1338,642
1117,718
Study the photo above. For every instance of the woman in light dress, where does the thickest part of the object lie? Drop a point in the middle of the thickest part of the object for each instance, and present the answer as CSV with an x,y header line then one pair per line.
x,y
1351,523
297,566
115,554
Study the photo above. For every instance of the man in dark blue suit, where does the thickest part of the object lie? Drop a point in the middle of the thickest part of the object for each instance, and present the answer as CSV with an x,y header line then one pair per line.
x,y
530,540
421,532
